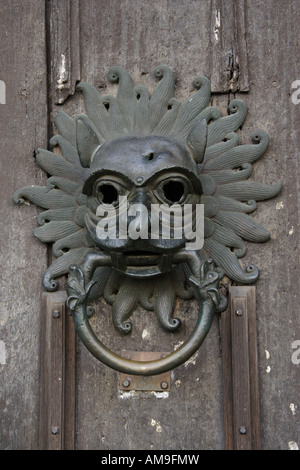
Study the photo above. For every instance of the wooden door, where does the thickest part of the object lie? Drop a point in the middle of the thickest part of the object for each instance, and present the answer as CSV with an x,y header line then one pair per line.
x,y
53,392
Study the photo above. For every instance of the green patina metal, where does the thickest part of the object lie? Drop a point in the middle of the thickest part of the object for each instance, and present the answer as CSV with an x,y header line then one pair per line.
x,y
133,144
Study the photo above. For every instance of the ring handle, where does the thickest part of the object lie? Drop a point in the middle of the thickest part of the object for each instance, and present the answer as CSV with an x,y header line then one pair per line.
x,y
209,303
121,364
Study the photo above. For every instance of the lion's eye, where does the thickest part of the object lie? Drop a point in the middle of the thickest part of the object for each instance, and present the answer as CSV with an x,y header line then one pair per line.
x,y
172,190
107,193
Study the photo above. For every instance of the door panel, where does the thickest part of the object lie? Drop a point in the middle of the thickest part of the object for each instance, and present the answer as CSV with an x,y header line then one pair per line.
x,y
273,48
250,51
140,36
24,124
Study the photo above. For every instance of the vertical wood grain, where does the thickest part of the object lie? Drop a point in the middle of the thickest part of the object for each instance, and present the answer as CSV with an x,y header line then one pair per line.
x,y
63,47
229,59
240,371
57,403
23,124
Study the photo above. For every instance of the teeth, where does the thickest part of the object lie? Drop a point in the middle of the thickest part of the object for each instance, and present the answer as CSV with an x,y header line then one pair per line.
x,y
119,261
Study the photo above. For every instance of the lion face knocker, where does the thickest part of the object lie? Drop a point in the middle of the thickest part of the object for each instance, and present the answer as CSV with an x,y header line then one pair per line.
x,y
122,207
157,173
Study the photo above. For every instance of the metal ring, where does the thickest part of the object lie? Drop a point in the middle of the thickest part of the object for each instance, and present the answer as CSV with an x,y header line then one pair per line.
x,y
121,364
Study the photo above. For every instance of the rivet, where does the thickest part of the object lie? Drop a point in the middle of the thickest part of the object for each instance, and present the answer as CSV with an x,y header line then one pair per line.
x,y
164,385
239,313
126,383
54,430
139,179
243,430
55,314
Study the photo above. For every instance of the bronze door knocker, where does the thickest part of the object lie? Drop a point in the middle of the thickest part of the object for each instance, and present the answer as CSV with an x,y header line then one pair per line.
x,y
133,162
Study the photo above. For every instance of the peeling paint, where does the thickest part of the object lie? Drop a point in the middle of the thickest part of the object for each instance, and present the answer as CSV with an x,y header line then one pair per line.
x,y
217,25
293,445
62,73
135,394
279,205
125,395
2,92
291,231
293,408
178,345
145,334
162,395
156,424
192,360
2,353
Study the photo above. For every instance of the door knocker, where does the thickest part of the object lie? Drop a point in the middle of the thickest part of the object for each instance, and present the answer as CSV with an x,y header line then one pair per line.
x,y
132,162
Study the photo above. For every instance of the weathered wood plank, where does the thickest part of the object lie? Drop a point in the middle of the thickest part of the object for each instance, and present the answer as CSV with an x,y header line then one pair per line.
x,y
64,43
240,371
229,69
139,36
23,122
52,373
57,402
240,374
274,57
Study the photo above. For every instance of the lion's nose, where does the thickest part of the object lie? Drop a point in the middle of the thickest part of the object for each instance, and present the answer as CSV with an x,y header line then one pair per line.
x,y
139,213
140,196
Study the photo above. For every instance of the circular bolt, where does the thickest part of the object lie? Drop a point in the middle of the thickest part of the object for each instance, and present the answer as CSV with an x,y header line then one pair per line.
x,y
164,385
54,430
126,383
243,430
55,314
90,311
239,313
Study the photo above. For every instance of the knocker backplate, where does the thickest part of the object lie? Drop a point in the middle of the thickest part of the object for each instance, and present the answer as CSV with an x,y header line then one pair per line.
x,y
155,383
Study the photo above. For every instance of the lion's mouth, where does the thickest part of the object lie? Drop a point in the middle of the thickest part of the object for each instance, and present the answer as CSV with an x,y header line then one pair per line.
x,y
142,263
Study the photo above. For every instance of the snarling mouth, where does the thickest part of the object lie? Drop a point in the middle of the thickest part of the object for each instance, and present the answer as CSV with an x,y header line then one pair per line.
x,y
142,264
